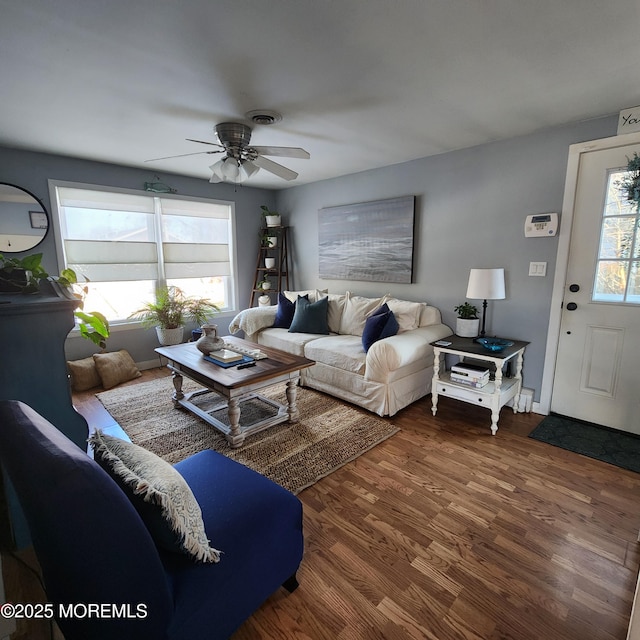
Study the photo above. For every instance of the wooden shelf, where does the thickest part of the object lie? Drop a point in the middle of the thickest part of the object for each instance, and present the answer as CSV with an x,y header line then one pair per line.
x,y
277,275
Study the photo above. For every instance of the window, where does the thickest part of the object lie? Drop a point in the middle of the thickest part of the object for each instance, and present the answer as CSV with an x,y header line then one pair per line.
x,y
127,243
618,268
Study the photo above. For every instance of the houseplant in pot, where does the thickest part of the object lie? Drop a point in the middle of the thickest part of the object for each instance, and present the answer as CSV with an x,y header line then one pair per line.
x,y
24,275
467,322
21,275
169,312
271,218
268,240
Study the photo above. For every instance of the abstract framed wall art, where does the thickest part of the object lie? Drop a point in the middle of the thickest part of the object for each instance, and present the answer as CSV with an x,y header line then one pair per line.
x,y
370,241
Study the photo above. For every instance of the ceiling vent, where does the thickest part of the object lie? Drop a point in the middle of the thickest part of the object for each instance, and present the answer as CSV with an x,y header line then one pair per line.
x,y
263,116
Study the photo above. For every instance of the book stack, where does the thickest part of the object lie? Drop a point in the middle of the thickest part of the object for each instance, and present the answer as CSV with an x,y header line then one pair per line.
x,y
224,355
472,375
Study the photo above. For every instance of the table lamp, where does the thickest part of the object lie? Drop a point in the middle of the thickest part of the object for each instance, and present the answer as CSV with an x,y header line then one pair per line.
x,y
485,284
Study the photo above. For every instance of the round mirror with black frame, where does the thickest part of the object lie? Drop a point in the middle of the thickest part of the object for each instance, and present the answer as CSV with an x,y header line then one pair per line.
x,y
24,221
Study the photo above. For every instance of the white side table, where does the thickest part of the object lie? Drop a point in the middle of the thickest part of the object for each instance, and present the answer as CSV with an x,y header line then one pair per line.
x,y
496,393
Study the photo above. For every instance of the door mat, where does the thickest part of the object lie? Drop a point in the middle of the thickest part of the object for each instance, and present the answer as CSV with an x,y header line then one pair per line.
x,y
594,441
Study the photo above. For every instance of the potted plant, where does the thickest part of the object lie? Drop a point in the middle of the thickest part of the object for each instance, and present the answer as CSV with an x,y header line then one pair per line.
x,y
271,218
169,312
467,322
264,284
23,275
268,240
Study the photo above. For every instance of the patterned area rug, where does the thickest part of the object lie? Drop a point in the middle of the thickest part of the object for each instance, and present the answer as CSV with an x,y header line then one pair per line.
x,y
609,445
329,434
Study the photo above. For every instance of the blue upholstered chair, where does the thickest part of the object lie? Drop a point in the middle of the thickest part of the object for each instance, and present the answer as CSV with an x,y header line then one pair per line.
x,y
93,546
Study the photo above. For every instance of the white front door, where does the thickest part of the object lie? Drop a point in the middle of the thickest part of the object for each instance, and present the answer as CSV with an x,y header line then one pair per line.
x,y
597,375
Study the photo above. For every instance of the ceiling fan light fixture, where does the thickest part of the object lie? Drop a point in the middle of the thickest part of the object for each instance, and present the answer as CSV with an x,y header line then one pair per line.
x,y
230,169
249,168
216,172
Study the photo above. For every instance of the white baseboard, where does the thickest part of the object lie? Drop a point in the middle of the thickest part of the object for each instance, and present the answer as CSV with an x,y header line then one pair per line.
x,y
149,364
526,401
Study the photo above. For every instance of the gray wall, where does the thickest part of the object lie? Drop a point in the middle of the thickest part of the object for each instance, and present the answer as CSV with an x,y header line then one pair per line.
x,y
470,211
33,170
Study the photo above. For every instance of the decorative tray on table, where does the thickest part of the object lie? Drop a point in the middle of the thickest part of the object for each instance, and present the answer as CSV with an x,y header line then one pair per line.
x,y
494,344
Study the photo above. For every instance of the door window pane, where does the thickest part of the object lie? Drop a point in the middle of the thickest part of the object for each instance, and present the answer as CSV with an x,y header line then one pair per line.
x,y
617,278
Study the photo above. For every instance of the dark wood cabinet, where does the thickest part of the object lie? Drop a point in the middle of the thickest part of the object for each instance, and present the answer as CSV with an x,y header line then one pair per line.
x,y
33,329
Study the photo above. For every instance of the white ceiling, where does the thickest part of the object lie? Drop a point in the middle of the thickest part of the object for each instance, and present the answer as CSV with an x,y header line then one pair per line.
x,y
360,83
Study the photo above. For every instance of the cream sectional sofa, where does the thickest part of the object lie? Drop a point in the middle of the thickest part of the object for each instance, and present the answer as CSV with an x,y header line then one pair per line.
x,y
392,374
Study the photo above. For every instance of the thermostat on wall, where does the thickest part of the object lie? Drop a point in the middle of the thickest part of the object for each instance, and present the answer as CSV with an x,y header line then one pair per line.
x,y
541,224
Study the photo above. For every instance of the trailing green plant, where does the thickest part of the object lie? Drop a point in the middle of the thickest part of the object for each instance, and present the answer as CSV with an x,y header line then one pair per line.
x,y
467,311
32,266
92,324
172,309
630,183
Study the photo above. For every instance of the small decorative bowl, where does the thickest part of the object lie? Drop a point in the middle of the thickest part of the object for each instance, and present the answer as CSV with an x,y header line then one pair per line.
x,y
494,344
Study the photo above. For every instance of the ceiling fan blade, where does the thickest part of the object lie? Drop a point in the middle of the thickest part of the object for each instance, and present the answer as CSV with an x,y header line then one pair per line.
x,y
215,144
275,168
284,152
182,155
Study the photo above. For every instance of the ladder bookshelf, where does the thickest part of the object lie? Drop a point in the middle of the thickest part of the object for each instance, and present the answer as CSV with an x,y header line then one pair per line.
x,y
278,275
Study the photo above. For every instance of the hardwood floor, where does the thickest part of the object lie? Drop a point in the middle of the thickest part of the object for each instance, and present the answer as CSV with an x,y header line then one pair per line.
x,y
446,532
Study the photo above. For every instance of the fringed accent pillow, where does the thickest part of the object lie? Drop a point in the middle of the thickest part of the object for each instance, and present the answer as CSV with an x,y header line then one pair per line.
x,y
159,493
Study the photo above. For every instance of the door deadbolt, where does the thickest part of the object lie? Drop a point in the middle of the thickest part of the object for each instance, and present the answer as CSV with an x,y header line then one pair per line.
x,y
574,288
572,306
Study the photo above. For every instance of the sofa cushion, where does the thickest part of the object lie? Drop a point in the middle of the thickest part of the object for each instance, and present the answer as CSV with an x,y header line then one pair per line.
x,y
159,493
285,312
116,367
341,352
290,342
334,311
380,324
310,317
312,294
407,313
356,311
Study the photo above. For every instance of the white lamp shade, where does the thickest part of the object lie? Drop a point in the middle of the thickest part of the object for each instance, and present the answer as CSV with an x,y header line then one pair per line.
x,y
486,284
230,169
216,169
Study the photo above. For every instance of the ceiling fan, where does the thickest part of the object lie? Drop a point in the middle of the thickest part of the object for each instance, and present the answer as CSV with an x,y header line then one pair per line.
x,y
243,160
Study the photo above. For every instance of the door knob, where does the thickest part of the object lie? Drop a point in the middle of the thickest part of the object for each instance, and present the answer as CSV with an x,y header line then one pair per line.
x,y
572,306
574,288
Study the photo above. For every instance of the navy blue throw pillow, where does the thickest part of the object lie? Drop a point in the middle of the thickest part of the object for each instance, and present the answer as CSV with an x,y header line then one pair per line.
x,y
380,324
284,314
310,317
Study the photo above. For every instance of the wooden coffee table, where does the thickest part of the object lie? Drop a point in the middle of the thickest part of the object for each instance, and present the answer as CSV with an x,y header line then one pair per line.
x,y
235,385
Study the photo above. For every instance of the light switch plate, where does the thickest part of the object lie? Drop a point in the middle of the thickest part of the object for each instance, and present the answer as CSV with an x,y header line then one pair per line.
x,y
538,269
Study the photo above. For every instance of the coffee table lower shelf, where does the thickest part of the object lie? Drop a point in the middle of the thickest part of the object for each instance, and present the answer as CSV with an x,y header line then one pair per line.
x,y
235,432
281,414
